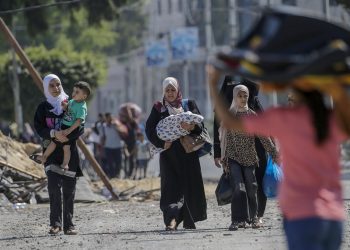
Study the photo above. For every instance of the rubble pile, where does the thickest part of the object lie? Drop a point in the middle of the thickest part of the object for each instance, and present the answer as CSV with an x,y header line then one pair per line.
x,y
20,177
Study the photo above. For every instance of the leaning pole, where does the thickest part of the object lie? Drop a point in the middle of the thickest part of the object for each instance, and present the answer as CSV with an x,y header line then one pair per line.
x,y
38,81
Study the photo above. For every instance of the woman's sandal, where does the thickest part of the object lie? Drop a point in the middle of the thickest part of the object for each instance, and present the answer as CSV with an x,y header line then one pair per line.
x,y
172,226
35,158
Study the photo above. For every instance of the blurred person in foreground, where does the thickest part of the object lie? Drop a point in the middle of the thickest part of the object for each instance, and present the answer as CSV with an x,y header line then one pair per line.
x,y
311,60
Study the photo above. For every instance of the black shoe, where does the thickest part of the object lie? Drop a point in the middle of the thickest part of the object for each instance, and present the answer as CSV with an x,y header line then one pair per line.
x,y
71,231
234,226
190,226
241,224
54,230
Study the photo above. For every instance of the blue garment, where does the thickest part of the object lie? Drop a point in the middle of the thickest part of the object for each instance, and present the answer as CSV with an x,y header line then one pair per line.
x,y
313,233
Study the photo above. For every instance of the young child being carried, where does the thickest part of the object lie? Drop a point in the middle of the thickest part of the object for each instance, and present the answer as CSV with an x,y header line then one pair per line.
x,y
74,117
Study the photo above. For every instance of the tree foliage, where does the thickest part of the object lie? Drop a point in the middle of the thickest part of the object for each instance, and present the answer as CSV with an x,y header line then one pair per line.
x,y
68,65
91,25
69,40
37,20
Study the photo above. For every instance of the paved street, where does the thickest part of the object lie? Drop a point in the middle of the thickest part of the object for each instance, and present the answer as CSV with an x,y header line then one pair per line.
x,y
139,225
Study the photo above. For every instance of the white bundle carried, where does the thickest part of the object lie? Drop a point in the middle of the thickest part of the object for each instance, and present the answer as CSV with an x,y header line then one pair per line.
x,y
169,128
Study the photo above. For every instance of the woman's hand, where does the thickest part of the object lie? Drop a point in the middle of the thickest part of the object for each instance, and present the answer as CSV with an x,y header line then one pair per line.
x,y
187,126
167,144
60,136
217,162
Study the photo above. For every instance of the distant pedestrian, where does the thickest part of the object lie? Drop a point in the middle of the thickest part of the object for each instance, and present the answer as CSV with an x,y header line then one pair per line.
x,y
143,156
112,144
182,189
127,120
97,138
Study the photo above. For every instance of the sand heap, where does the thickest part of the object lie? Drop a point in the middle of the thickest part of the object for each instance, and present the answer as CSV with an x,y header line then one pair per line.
x,y
14,155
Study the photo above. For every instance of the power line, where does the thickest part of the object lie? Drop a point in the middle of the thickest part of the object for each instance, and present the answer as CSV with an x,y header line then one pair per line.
x,y
121,9
7,12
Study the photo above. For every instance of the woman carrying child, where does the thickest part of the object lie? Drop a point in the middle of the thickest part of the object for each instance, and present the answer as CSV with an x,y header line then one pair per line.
x,y
182,189
47,123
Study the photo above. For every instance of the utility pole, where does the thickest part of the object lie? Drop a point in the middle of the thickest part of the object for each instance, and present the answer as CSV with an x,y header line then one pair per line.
x,y
37,79
16,89
326,9
16,94
233,23
208,45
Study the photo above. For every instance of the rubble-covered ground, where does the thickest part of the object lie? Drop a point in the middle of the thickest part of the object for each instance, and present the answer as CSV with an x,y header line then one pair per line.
x,y
139,225
135,222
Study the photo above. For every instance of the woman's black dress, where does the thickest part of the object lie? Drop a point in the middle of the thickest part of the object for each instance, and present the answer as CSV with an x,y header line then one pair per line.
x,y
182,189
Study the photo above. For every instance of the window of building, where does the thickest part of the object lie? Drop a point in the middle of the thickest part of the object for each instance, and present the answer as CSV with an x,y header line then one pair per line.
x,y
289,2
170,6
159,6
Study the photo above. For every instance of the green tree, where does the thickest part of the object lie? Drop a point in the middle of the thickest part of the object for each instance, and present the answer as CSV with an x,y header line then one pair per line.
x,y
37,20
74,45
72,26
68,65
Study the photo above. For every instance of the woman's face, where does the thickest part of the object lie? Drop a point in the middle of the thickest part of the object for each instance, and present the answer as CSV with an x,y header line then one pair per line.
x,y
54,87
170,93
242,99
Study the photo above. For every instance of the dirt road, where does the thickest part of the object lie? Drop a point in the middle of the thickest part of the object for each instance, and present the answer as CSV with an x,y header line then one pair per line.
x,y
139,225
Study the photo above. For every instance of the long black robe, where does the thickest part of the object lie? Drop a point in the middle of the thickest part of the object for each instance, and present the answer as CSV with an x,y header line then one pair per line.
x,y
182,189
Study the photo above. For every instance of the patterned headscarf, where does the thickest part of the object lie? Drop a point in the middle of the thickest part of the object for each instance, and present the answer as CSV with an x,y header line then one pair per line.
x,y
54,101
174,107
234,108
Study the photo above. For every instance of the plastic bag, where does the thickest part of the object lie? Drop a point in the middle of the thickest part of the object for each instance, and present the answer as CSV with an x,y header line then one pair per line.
x,y
272,177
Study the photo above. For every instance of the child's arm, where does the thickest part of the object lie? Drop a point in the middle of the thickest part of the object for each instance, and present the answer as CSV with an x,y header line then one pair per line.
x,y
64,105
69,130
228,119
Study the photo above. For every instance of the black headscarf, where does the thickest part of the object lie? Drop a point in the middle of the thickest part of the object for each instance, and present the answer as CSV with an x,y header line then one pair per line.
x,y
253,101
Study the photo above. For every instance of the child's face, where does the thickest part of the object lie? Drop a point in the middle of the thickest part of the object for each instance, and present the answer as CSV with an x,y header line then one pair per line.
x,y
78,95
170,93
242,99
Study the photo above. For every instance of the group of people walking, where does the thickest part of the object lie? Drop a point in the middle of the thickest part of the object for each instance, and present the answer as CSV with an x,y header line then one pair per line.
x,y
308,135
120,147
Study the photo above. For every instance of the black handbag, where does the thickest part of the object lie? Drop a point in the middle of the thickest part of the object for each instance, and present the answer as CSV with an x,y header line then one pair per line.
x,y
207,146
224,190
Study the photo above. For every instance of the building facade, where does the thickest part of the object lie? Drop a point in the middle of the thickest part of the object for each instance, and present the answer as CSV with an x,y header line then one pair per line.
x,y
220,23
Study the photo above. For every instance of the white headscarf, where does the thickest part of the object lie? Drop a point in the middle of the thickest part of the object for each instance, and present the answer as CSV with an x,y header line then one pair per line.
x,y
234,105
54,101
234,108
174,107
